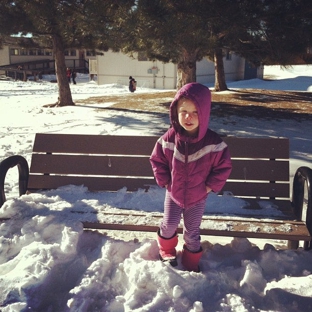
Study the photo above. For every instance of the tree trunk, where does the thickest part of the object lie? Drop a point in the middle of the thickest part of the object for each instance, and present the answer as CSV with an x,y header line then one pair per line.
x,y
220,84
186,69
65,97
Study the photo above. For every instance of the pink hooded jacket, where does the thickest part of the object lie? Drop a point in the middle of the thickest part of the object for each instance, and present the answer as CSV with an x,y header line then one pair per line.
x,y
189,164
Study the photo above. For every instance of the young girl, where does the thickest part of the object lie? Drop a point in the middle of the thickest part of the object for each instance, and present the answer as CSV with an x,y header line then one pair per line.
x,y
189,160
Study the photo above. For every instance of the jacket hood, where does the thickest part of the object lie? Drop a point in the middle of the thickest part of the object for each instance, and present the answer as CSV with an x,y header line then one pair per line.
x,y
201,97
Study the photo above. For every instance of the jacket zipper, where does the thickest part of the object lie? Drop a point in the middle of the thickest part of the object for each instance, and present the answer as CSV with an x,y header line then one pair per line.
x,y
186,170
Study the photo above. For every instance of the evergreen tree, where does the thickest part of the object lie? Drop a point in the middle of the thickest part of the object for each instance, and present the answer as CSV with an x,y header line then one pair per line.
x,y
183,32
60,25
169,31
286,31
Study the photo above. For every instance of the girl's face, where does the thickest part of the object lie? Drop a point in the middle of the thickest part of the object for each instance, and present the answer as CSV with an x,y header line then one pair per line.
x,y
188,116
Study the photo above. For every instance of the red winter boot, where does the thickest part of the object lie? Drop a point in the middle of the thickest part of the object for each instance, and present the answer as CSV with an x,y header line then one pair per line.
x,y
167,251
190,259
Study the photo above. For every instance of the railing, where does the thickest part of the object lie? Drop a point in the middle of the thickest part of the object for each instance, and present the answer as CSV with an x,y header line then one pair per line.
x,y
20,71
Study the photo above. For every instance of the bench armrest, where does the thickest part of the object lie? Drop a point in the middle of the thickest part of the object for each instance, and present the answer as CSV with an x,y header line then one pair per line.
x,y
23,170
302,179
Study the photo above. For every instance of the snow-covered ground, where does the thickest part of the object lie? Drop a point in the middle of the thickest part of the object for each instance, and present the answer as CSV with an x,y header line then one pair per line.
x,y
48,263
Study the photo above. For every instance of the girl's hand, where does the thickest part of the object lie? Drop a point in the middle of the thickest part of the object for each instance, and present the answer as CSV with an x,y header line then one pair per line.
x,y
208,189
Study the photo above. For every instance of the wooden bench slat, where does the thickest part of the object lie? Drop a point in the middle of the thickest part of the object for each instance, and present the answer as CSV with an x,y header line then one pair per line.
x,y
219,227
123,165
91,165
106,144
94,184
256,189
94,144
253,208
114,184
258,147
263,170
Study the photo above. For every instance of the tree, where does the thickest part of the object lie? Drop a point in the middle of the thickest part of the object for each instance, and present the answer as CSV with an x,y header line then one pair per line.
x,y
286,31
168,31
60,25
183,32
231,23
277,31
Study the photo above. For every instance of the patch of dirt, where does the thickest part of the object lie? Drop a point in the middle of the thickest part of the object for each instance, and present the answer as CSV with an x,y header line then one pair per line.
x,y
269,104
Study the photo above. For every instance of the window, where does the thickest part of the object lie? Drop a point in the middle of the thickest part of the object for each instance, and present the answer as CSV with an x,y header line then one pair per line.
x,y
48,52
24,52
70,53
32,52
14,52
309,50
40,52
90,53
228,55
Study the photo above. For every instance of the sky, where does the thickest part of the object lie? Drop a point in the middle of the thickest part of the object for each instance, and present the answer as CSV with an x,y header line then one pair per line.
x,y
48,262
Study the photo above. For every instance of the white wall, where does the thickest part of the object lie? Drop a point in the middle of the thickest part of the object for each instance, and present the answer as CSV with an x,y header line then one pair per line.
x,y
4,56
234,69
117,67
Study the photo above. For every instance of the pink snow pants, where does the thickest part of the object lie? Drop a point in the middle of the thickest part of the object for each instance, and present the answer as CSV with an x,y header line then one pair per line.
x,y
192,217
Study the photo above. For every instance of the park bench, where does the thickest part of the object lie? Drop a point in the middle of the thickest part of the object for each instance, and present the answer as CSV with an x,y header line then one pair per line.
x,y
109,163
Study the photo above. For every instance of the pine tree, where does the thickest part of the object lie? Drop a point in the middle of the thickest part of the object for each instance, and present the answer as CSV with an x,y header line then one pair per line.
x,y
63,24
169,31
184,32
286,31
277,32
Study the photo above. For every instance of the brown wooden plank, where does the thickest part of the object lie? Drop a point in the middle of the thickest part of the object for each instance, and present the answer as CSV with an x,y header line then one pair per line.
x,y
257,189
252,208
263,170
94,144
143,145
258,147
221,227
140,166
38,182
91,165
113,184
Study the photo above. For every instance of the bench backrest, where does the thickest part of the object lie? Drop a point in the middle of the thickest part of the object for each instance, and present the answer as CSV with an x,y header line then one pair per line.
x,y
108,163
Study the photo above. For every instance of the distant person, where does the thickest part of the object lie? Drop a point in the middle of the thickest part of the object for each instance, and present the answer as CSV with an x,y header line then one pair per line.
x,y
132,84
189,161
68,74
74,75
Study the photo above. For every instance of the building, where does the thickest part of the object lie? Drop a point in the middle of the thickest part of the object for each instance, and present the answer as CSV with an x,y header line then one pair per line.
x,y
110,67
115,67
20,62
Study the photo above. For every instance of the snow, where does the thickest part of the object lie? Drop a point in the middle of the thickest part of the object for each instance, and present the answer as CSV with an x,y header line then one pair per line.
x,y
49,263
